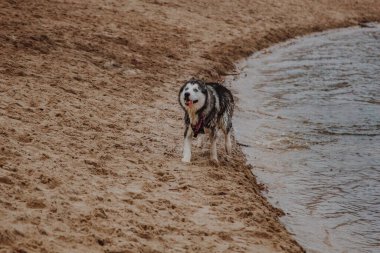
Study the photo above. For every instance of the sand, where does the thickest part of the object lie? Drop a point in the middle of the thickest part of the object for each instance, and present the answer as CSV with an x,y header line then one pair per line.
x,y
91,131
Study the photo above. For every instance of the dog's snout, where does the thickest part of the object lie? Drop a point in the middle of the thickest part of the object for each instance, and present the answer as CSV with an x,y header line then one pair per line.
x,y
187,94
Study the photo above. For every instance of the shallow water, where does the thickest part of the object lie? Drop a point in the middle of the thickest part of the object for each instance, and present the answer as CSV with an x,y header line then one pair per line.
x,y
309,121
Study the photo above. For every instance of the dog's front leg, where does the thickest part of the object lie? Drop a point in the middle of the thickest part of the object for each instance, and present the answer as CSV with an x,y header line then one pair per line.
x,y
187,145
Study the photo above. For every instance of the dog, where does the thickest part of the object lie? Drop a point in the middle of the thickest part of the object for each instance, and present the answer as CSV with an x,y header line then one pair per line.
x,y
208,107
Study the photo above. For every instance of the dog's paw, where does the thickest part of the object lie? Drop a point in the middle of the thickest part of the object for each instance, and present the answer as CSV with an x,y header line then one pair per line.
x,y
185,160
214,162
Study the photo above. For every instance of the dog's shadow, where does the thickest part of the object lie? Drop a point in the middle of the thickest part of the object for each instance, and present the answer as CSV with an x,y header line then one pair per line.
x,y
201,157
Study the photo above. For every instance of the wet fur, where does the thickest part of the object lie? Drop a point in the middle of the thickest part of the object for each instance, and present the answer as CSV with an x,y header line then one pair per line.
x,y
217,109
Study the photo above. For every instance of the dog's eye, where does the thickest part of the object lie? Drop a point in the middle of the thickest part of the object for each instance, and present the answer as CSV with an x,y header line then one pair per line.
x,y
186,88
196,90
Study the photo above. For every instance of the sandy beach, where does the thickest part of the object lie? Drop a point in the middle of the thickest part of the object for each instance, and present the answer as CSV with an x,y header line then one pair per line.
x,y
91,130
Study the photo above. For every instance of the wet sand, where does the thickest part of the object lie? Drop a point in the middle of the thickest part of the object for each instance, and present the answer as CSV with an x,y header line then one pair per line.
x,y
91,132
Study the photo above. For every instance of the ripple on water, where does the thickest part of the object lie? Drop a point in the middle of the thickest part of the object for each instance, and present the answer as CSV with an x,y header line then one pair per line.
x,y
309,122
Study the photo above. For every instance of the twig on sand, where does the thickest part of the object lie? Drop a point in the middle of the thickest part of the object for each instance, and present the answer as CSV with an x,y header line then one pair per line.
x,y
231,74
243,145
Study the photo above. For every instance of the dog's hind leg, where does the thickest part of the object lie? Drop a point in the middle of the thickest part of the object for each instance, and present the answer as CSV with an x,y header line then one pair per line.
x,y
213,153
227,138
226,125
199,142
187,145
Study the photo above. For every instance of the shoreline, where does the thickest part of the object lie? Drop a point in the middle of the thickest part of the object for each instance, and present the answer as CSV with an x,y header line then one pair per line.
x,y
280,193
91,131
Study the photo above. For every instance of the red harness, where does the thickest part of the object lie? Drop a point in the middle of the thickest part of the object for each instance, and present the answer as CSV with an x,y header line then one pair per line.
x,y
198,128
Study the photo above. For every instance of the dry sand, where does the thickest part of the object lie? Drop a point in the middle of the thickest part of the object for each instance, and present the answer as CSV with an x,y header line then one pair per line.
x,y
91,132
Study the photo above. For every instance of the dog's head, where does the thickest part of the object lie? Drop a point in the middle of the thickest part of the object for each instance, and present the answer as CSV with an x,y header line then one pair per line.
x,y
193,95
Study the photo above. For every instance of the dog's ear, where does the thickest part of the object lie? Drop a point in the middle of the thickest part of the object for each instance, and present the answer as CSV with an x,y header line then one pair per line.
x,y
202,86
191,80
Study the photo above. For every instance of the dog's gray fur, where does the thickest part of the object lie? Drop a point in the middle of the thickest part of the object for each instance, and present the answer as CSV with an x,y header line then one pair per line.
x,y
208,107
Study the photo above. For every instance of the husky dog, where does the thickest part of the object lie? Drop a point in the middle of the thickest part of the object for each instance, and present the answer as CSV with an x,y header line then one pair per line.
x,y
208,107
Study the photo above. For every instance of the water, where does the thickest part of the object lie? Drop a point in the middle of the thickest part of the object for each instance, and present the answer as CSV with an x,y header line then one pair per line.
x,y
309,121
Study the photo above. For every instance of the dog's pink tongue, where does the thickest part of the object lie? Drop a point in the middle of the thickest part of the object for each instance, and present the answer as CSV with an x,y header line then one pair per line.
x,y
190,103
